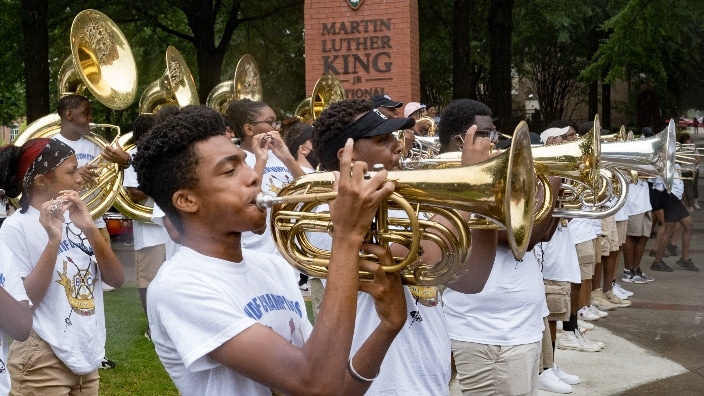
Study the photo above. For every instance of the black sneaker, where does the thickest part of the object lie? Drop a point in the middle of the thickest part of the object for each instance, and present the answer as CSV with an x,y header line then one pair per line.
x,y
107,363
660,266
653,253
672,249
687,264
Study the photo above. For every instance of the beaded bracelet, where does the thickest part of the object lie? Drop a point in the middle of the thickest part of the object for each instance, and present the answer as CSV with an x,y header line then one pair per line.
x,y
356,375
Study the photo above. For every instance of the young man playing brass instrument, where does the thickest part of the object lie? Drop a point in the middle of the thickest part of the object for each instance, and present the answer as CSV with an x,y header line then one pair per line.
x,y
230,321
418,361
496,333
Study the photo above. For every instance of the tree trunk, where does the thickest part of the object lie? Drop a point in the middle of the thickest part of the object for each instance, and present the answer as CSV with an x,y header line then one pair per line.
x,y
500,30
605,106
462,86
36,57
593,100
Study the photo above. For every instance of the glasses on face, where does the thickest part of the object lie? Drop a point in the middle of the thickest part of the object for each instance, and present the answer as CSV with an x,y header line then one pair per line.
x,y
490,133
274,124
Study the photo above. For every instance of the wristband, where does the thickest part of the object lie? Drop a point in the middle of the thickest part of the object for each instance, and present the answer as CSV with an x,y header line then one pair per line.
x,y
356,375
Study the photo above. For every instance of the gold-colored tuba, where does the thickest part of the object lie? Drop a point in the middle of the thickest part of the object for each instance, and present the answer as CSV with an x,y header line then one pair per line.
x,y
101,61
175,87
328,89
501,189
246,84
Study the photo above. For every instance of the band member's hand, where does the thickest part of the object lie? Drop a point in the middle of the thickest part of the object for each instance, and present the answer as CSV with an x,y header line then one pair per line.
x,y
78,212
115,153
358,198
277,145
88,173
386,288
51,217
475,149
553,140
260,146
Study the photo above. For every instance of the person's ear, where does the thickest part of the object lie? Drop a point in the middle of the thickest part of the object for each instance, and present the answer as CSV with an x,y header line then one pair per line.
x,y
40,181
185,200
248,131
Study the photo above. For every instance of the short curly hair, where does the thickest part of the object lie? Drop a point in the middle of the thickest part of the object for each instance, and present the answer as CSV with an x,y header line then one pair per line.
x,y
166,159
242,112
331,122
457,117
69,102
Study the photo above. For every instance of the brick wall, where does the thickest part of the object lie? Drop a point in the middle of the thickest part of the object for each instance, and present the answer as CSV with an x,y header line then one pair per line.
x,y
371,50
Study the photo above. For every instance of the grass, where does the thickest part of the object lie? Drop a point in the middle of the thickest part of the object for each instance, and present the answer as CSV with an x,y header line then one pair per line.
x,y
138,371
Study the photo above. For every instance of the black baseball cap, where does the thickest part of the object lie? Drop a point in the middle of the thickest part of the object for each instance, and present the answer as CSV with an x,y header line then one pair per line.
x,y
374,124
385,101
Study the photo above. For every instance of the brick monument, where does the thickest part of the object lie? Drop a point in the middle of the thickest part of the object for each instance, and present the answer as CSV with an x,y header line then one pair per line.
x,y
371,46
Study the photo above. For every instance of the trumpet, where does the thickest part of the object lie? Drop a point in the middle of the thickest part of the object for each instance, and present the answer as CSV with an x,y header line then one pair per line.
x,y
500,189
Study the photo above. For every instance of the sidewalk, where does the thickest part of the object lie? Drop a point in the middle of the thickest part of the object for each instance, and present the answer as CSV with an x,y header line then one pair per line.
x,y
655,347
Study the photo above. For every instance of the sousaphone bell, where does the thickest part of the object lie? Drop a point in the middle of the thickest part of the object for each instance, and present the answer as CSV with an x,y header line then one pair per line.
x,y
246,84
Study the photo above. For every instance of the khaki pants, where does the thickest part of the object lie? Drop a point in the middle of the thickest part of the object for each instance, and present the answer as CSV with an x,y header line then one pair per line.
x,y
497,370
35,370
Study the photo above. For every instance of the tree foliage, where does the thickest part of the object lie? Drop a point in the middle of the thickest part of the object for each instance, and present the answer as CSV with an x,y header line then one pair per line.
x,y
564,48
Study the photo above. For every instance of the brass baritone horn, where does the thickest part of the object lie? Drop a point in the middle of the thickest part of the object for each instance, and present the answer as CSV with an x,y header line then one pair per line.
x,y
501,189
654,156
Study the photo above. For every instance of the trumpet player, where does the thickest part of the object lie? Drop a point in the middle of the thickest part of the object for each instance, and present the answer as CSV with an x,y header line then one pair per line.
x,y
226,320
418,361
496,333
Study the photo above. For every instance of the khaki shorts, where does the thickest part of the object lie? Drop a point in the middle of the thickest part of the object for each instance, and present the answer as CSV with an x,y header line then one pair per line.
x,y
557,301
35,370
621,227
587,258
640,225
608,240
497,370
147,262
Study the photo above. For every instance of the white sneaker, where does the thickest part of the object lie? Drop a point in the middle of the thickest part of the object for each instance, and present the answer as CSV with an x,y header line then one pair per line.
x,y
569,379
617,286
549,381
619,294
558,326
569,340
598,344
595,310
585,314
107,288
584,326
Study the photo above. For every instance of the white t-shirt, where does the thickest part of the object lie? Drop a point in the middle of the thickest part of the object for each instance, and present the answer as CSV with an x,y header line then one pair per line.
x,y
508,311
583,230
276,175
86,151
12,283
70,317
559,256
638,198
197,303
418,360
145,234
